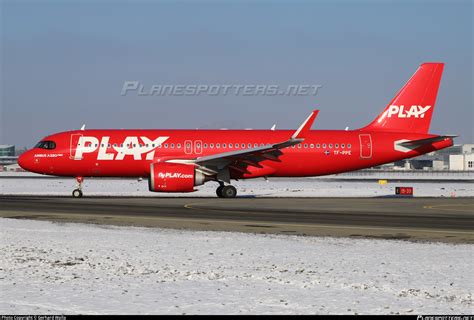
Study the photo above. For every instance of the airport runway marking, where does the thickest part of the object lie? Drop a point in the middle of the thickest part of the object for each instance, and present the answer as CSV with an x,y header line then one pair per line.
x,y
190,207
263,223
434,207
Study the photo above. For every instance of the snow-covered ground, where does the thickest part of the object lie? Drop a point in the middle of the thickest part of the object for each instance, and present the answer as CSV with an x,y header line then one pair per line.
x,y
55,268
276,187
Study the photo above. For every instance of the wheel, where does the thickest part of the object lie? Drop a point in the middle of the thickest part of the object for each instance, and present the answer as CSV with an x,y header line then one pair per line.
x,y
219,191
77,193
229,192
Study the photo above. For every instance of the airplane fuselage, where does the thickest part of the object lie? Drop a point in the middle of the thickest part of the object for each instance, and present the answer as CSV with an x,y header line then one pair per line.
x,y
180,160
129,153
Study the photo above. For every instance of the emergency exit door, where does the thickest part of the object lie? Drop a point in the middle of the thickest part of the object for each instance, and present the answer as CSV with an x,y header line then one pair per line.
x,y
197,146
188,147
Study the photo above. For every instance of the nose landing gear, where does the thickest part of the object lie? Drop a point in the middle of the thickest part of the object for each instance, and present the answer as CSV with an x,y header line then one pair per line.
x,y
77,193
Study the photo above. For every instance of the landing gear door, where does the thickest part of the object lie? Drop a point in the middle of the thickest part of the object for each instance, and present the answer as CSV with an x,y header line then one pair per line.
x,y
365,146
74,142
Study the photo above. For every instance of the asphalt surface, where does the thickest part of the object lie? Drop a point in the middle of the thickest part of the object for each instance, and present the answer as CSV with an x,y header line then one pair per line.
x,y
433,219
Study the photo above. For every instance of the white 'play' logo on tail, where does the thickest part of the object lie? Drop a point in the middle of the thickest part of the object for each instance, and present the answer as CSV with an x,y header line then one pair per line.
x,y
402,112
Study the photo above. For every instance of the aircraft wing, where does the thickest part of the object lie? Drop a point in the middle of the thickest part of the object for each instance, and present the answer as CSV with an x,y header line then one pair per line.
x,y
240,159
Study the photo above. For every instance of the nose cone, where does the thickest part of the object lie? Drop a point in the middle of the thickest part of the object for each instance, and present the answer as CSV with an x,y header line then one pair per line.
x,y
25,161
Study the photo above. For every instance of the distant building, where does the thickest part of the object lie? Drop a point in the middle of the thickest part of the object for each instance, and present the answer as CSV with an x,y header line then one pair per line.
x,y
7,150
457,149
461,162
7,154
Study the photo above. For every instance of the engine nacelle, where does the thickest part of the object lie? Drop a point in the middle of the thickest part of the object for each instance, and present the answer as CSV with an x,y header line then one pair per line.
x,y
170,177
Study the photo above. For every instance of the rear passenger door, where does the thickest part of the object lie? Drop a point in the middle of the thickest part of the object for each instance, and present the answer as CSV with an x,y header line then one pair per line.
x,y
365,146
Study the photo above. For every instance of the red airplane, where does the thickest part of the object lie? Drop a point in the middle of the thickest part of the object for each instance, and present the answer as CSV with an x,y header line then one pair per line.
x,y
180,160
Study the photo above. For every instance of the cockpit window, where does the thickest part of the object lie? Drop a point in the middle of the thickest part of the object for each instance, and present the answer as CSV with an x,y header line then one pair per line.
x,y
49,145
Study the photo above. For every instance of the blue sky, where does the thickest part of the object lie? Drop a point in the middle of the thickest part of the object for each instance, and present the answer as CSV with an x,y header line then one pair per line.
x,y
64,62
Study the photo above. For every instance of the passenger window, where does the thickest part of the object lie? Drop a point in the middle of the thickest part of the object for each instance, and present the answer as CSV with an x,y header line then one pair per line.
x,y
205,146
230,145
337,145
324,145
172,145
212,145
224,145
343,145
306,146
179,145
349,145
218,145
311,146
330,146
318,146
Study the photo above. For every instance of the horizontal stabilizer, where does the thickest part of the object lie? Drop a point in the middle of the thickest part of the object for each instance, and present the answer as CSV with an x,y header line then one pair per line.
x,y
421,142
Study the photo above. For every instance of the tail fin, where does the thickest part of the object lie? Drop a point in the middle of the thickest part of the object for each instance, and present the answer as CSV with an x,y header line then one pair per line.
x,y
412,108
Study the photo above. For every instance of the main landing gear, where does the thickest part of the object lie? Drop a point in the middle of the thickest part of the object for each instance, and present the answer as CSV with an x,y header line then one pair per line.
x,y
224,191
77,193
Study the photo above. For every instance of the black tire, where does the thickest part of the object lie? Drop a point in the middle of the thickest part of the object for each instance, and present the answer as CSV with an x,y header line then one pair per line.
x,y
76,193
219,191
229,192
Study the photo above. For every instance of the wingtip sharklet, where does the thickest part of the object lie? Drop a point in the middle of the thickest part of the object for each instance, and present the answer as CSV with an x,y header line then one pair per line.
x,y
305,126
